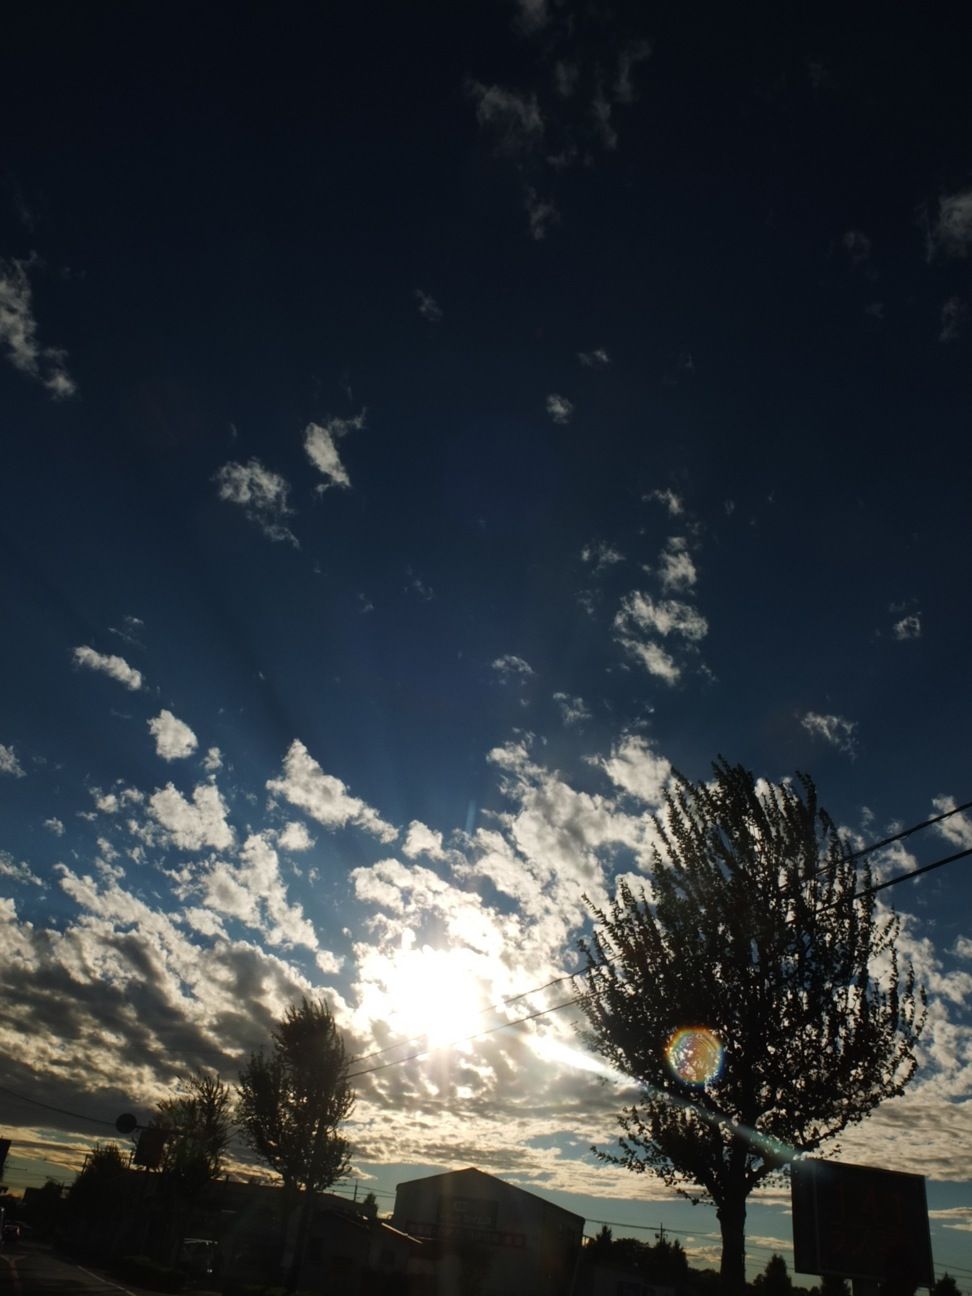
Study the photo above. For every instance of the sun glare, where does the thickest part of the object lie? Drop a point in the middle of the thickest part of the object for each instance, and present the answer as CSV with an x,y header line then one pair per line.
x,y
433,993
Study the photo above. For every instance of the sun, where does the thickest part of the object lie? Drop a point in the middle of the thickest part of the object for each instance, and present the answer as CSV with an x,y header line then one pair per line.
x,y
431,994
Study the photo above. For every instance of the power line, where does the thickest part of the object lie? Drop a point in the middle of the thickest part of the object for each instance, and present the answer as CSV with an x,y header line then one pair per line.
x,y
904,877
95,1120
926,823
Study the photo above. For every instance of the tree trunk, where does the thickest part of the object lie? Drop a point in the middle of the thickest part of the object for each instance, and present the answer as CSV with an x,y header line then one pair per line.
x,y
732,1222
297,1260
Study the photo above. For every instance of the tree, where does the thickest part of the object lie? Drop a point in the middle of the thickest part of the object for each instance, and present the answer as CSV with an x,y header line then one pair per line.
x,y
750,990
199,1126
775,1279
945,1286
292,1101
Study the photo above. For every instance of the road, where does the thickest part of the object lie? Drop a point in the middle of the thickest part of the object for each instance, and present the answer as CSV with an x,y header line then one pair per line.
x,y
31,1270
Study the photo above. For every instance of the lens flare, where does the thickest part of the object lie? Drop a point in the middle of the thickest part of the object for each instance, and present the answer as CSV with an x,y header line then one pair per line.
x,y
695,1055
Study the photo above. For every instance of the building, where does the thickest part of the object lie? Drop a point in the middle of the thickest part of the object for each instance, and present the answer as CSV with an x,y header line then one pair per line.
x,y
489,1237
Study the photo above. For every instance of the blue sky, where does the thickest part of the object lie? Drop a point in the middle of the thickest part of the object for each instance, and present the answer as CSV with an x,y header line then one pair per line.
x,y
421,431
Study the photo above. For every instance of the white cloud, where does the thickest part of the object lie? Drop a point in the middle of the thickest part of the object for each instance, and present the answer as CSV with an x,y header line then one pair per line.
x,y
954,314
857,246
653,657
532,15
833,729
117,667
428,307
601,555
511,667
664,617
253,891
17,871
953,229
324,797
55,826
18,332
9,764
559,408
514,119
173,738
631,55
909,627
213,760
596,359
294,836
422,840
192,825
676,569
636,768
957,829
541,213
671,501
262,494
573,710
320,443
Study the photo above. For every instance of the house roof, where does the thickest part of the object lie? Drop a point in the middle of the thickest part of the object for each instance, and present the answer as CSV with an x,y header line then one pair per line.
x,y
471,1173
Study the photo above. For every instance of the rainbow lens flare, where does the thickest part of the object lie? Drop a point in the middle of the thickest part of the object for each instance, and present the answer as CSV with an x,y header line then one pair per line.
x,y
695,1055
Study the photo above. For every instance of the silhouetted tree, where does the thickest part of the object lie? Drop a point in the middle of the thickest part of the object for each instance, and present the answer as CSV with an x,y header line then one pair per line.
x,y
945,1286
775,1279
199,1126
100,1188
750,927
292,1101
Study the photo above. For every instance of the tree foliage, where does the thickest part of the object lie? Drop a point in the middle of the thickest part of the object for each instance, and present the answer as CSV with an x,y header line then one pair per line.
x,y
293,1098
751,926
199,1125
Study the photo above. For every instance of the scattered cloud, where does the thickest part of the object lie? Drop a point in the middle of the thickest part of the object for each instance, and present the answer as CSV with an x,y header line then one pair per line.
x,y
957,828
294,836
422,840
676,569
129,630
541,213
601,555
108,664
953,1217
596,359
857,246
641,620
173,738
415,586
909,627
18,870
559,408
428,307
263,495
511,667
532,15
55,826
213,760
573,710
18,333
192,825
514,119
9,764
672,502
954,314
324,797
631,54
951,233
833,729
320,443
636,768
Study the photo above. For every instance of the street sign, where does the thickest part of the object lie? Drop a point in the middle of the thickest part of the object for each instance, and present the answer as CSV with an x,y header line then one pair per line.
x,y
860,1222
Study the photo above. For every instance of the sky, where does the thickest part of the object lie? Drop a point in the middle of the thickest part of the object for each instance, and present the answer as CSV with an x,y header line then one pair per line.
x,y
423,428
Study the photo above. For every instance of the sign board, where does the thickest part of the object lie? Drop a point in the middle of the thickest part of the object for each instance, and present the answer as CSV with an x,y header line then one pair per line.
x,y
860,1222
149,1149
4,1149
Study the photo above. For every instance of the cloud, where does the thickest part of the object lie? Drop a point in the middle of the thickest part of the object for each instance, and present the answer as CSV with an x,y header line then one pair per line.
x,y
55,826
663,617
541,213
675,566
909,627
596,359
573,710
18,332
428,307
192,825
631,55
173,738
952,231
857,246
954,314
514,120
636,768
833,729
601,555
511,667
559,408
324,797
9,764
294,836
422,840
213,760
253,891
117,667
532,15
320,444
957,829
263,495
672,502
17,871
